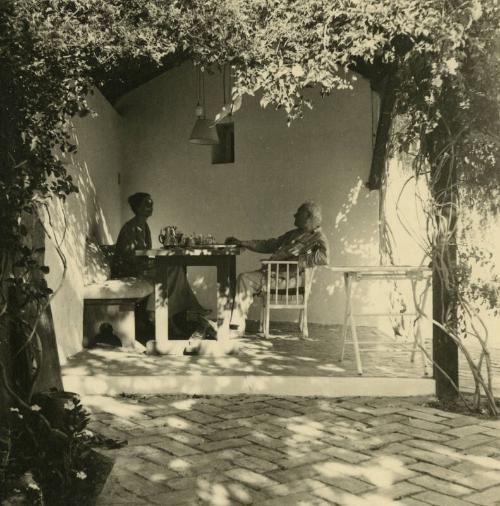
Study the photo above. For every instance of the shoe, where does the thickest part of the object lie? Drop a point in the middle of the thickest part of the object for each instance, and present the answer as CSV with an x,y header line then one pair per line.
x,y
235,331
194,343
196,336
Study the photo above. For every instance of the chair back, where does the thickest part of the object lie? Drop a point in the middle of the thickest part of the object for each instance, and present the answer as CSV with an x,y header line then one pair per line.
x,y
286,285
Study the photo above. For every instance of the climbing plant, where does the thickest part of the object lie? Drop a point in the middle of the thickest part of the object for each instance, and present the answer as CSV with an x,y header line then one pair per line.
x,y
438,59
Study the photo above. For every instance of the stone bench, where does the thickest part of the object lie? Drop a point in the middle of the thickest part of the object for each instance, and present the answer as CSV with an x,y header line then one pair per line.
x,y
109,304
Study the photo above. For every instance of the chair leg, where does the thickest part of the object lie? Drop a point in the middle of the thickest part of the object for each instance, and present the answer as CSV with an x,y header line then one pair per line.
x,y
357,354
346,317
304,327
267,313
262,317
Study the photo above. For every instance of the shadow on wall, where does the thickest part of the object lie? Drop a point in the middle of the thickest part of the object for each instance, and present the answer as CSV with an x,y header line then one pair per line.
x,y
68,223
353,241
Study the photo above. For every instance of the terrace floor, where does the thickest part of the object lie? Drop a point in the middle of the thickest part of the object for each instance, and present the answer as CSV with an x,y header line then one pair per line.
x,y
284,364
274,451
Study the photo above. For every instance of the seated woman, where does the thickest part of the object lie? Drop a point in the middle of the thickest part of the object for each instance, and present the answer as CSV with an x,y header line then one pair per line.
x,y
136,235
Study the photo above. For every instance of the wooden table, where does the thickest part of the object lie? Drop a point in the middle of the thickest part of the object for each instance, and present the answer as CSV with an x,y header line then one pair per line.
x,y
223,257
353,274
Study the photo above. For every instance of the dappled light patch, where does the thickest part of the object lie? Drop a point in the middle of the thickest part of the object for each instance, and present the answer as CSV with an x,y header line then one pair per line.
x,y
199,282
335,286
384,471
240,493
176,422
352,200
158,477
178,464
122,408
214,493
332,368
184,405
282,355
306,427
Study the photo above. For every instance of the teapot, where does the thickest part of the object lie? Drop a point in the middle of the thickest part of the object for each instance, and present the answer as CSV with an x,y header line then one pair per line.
x,y
168,235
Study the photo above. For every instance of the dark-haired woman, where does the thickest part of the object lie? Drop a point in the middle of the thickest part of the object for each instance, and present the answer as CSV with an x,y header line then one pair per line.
x,y
136,235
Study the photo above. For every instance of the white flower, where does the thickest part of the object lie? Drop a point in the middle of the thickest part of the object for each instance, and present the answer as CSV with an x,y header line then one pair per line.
x,y
69,405
14,410
81,475
33,485
297,71
476,10
35,407
437,82
451,66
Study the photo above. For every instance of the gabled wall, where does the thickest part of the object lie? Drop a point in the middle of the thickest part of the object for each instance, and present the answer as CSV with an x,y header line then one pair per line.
x,y
324,157
94,211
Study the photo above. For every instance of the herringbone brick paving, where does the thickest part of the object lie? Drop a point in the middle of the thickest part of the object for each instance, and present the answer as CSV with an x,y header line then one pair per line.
x,y
291,450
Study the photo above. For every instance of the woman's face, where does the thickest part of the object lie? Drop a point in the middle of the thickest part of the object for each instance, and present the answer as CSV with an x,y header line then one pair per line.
x,y
145,208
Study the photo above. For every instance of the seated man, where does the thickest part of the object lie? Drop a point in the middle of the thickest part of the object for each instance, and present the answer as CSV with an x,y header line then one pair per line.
x,y
305,243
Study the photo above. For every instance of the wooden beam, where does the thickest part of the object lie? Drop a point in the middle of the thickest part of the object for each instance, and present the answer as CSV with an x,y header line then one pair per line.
x,y
387,88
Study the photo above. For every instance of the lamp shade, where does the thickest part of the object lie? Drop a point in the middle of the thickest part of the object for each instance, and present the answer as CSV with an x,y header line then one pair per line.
x,y
203,133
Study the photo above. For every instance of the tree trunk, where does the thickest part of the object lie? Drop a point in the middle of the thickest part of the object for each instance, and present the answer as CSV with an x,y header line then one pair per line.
x,y
445,349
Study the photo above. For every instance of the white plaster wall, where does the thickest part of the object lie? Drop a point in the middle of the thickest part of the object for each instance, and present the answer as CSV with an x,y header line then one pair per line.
x,y
325,157
95,210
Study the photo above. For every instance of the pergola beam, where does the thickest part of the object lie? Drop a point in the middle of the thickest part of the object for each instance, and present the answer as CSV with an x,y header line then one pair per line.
x,y
379,155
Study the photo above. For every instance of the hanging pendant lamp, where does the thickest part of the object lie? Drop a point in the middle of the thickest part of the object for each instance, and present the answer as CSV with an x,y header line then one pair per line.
x,y
203,131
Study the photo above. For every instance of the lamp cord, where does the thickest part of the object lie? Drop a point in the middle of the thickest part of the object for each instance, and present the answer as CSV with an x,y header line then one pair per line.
x,y
198,85
224,85
203,89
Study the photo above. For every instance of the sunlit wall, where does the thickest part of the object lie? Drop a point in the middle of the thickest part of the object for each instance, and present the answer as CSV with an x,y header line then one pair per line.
x,y
94,211
325,157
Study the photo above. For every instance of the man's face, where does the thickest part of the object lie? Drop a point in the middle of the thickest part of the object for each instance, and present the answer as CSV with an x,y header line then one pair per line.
x,y
145,208
301,217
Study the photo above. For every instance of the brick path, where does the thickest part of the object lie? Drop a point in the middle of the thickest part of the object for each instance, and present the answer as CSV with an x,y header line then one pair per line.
x,y
291,450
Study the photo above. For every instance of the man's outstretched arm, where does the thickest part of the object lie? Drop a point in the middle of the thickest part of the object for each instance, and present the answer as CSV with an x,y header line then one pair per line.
x,y
257,245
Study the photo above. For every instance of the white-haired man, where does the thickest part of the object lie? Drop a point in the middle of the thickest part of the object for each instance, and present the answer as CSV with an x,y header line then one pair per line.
x,y
305,243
